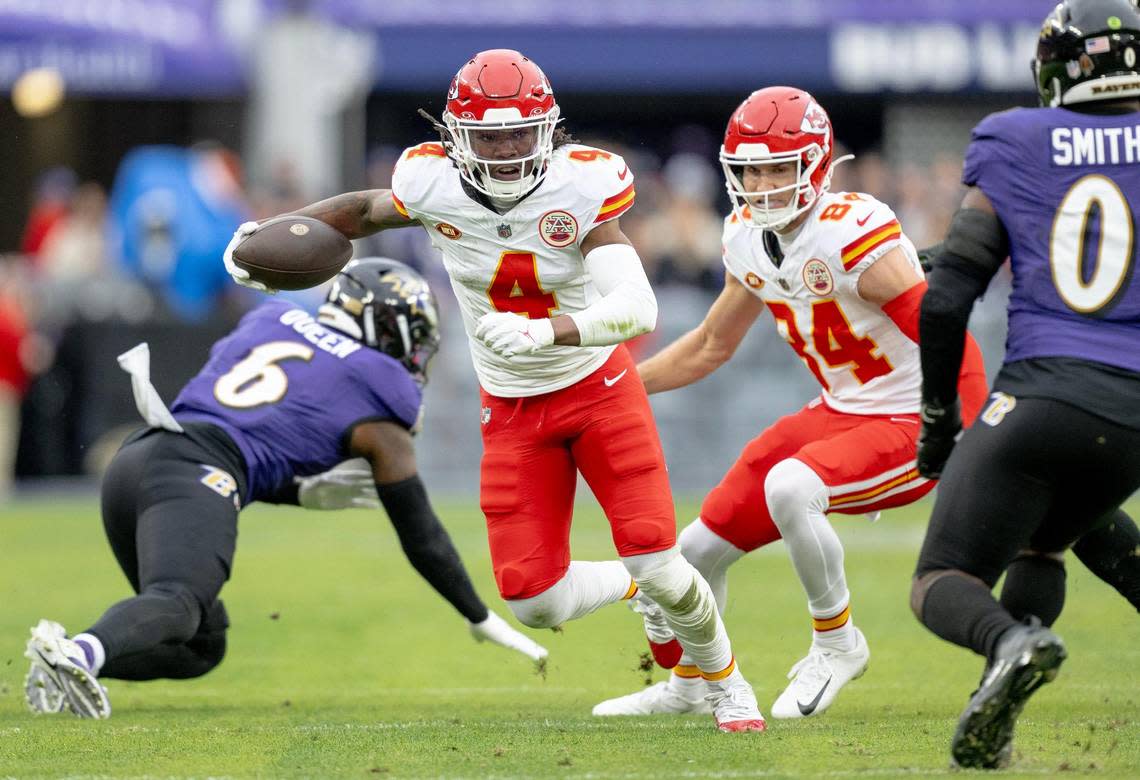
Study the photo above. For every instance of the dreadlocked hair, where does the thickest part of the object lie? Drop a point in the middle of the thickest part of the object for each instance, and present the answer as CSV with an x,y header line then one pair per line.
x,y
560,137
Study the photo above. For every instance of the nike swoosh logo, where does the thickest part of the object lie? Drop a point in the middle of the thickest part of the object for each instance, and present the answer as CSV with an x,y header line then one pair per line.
x,y
624,172
863,221
809,708
611,382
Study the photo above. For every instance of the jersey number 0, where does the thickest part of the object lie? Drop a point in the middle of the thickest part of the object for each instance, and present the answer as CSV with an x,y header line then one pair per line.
x,y
1113,251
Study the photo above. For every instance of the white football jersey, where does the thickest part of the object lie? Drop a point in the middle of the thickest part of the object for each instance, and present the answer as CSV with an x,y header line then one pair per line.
x,y
865,364
528,261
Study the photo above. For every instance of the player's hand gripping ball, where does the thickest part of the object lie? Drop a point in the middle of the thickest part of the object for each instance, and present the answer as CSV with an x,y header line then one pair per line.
x,y
286,253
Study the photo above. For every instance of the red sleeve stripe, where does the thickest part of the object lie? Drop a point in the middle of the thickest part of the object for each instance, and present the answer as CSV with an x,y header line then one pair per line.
x,y
861,247
399,204
615,211
619,198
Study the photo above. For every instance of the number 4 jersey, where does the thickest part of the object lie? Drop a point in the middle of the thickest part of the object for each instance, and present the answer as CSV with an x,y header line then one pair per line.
x,y
288,391
1065,186
865,364
527,261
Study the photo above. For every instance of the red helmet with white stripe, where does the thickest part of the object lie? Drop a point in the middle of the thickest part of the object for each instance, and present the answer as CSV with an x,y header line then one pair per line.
x,y
501,116
777,126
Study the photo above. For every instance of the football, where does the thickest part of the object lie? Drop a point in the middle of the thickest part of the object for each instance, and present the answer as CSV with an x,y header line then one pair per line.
x,y
293,253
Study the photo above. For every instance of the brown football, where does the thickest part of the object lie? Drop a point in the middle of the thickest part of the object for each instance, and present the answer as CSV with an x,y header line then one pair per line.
x,y
293,253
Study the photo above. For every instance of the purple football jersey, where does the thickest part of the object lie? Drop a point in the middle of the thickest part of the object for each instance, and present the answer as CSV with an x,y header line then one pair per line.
x,y
288,389
1065,185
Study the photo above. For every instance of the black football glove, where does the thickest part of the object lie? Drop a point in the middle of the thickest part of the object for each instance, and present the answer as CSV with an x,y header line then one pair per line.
x,y
940,428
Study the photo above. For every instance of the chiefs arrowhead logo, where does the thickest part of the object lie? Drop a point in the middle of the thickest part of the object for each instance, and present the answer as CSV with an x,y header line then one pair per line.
x,y
815,120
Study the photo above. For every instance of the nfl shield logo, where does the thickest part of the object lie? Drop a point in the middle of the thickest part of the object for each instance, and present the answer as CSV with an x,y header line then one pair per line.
x,y
504,230
485,415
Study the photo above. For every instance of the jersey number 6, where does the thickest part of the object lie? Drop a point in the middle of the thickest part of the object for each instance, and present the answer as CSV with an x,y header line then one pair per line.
x,y
257,380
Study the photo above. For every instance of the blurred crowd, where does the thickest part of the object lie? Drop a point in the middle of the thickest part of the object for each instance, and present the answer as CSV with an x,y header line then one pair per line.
x,y
148,250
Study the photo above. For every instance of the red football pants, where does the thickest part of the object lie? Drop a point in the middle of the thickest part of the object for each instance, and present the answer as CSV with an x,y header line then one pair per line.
x,y
533,448
867,463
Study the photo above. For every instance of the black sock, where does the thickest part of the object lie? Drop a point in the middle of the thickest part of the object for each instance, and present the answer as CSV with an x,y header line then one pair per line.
x,y
1112,552
963,611
1034,585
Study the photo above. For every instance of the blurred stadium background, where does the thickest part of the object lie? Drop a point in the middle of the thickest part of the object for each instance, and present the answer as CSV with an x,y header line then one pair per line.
x,y
139,133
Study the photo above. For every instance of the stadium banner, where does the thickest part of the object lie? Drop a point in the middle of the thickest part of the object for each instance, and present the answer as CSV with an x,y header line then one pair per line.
x,y
187,48
168,48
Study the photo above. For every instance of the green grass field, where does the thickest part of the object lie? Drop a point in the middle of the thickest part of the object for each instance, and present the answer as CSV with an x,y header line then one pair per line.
x,y
342,663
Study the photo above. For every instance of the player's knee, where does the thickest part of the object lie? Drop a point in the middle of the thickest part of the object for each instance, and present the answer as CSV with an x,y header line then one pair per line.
x,y
925,579
791,488
665,577
183,611
548,609
707,551
206,651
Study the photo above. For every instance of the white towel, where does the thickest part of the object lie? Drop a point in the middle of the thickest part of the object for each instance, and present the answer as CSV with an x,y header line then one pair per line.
x,y
136,362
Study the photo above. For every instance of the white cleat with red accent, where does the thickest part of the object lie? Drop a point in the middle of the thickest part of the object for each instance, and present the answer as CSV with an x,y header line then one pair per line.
x,y
734,704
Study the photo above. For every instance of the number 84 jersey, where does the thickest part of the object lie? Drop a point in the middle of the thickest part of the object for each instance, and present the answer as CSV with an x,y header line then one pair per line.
x,y
864,363
527,261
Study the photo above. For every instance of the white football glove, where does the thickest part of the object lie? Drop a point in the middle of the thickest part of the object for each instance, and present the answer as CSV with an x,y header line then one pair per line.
x,y
495,629
240,275
349,485
510,334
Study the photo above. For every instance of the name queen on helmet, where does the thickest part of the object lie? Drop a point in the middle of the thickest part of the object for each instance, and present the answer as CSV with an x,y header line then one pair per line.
x,y
774,126
501,91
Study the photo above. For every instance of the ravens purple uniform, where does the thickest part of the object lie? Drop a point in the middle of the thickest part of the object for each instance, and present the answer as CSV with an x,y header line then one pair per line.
x,y
1057,450
287,389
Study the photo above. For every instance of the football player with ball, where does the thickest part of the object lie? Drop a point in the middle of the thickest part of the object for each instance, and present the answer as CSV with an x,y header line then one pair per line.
x,y
550,288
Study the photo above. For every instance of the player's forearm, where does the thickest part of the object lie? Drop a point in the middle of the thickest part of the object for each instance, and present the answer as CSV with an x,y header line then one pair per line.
x,y
358,214
627,308
428,547
687,360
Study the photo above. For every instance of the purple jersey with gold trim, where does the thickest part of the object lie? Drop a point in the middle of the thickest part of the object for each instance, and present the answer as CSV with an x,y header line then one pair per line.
x,y
288,391
1065,185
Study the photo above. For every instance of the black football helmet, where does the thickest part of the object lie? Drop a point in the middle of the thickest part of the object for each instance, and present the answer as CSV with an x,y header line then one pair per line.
x,y
1088,51
389,307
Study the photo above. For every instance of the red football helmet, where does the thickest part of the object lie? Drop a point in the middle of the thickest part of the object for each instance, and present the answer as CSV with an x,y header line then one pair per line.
x,y
501,116
774,126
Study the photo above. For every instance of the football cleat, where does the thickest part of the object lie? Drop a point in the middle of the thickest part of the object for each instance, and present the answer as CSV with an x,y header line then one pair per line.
x,y
663,698
818,677
42,694
1027,657
663,644
64,664
734,704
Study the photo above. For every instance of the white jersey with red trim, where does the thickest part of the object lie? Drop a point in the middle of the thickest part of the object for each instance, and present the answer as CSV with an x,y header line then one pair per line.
x,y
528,261
864,363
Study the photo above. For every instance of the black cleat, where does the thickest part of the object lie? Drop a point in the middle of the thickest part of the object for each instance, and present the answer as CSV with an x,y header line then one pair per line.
x,y
1026,658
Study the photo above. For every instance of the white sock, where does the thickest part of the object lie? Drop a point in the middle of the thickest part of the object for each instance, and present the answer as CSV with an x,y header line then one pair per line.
x,y
840,638
686,680
797,500
96,648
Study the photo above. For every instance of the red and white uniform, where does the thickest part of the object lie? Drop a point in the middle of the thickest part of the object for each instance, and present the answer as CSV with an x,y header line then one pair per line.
x,y
528,261
860,435
864,363
551,413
